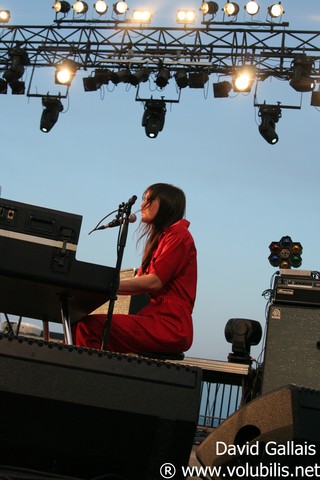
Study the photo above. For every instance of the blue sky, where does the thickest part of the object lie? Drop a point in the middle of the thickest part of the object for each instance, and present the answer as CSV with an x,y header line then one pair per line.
x,y
242,192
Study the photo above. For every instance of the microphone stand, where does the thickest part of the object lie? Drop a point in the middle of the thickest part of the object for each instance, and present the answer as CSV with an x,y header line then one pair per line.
x,y
123,216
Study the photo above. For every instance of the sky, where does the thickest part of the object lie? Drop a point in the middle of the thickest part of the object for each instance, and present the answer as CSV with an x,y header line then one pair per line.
x,y
242,193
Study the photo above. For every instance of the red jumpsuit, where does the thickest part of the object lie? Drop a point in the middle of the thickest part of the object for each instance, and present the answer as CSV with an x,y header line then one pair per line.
x,y
165,324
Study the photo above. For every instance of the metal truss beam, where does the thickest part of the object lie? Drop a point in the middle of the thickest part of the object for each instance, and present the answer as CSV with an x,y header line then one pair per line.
x,y
213,48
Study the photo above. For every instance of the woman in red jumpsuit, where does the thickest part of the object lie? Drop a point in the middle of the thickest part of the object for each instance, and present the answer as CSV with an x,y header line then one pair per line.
x,y
168,274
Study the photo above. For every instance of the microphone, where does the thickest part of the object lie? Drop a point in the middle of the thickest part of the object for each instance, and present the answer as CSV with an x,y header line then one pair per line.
x,y
117,221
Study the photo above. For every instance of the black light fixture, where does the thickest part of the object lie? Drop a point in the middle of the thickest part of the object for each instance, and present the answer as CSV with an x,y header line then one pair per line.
x,y
231,9
18,87
182,79
154,117
3,87
93,83
122,76
315,98
209,8
61,7
198,79
269,115
242,334
19,59
285,253
163,77
302,68
140,76
50,114
221,89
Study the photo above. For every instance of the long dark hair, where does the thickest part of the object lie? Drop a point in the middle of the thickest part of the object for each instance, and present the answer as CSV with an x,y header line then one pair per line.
x,y
171,209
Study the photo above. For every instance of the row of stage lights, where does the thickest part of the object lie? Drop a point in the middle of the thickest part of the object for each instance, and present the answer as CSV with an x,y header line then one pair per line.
x,y
184,16
242,82
188,16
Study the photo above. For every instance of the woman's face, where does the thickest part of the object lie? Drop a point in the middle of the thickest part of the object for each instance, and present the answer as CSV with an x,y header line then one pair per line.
x,y
149,210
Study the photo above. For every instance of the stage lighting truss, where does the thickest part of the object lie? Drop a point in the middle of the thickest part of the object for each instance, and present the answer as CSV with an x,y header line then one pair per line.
x,y
285,253
132,54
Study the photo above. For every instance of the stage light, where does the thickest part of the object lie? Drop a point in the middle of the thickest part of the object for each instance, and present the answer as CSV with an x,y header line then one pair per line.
x,y
93,83
140,76
19,59
61,7
163,78
50,114
315,99
101,7
198,79
141,16
242,334
65,72
209,8
300,80
186,16
3,87
244,78
80,7
270,115
122,76
231,9
252,8
154,117
17,87
120,8
4,16
285,253
182,79
221,89
276,10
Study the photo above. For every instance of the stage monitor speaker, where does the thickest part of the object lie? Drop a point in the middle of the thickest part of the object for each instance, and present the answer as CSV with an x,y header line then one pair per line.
x,y
278,432
90,413
292,351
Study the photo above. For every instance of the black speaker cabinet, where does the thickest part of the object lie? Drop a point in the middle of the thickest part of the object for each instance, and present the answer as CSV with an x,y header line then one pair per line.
x,y
89,413
292,351
278,433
